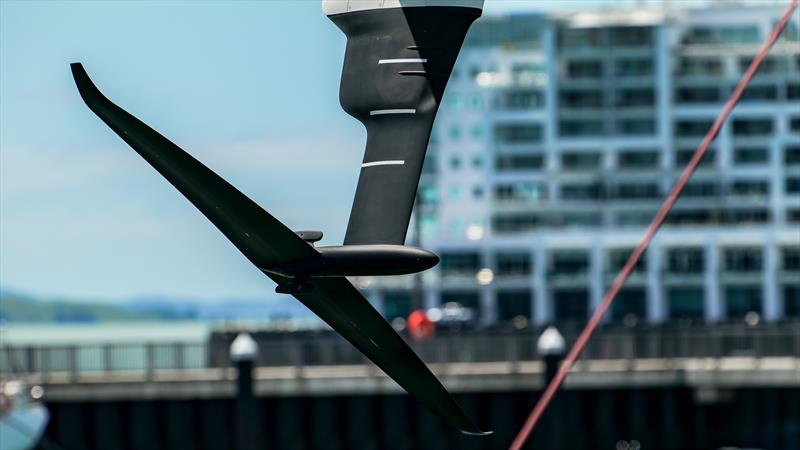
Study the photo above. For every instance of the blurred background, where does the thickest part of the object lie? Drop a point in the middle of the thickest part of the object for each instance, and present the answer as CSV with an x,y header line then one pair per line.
x,y
563,127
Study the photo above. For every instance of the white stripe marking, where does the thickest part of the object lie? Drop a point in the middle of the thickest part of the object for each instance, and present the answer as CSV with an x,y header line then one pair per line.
x,y
393,162
402,60
380,112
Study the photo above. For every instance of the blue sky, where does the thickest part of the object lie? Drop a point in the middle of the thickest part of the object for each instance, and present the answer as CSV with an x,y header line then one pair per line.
x,y
249,88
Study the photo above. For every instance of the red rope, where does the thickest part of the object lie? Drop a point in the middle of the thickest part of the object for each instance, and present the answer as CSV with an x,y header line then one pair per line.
x,y
576,349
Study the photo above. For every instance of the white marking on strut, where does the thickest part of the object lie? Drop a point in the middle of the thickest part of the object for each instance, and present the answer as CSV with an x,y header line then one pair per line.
x,y
392,162
402,60
380,112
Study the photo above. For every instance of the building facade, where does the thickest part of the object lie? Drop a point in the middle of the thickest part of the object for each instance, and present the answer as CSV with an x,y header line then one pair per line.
x,y
558,139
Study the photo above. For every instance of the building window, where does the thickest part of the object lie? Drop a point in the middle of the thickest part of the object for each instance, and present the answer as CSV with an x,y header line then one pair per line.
x,y
528,74
752,127
791,155
455,162
523,191
692,217
684,155
700,66
636,127
570,304
513,263
793,215
581,161
396,304
770,64
460,263
630,302
518,133
743,259
581,98
468,299
740,300
584,191
746,216
638,159
634,218
584,69
793,91
725,34
580,219
701,189
709,94
581,128
692,128
638,190
519,100
631,36
790,259
582,38
794,124
516,223
518,162
569,262
428,194
791,300
750,188
633,67
685,303
751,155
634,97
616,259
685,260
759,93
513,303
793,185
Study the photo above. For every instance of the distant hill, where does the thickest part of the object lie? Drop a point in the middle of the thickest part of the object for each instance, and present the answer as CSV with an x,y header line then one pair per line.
x,y
17,307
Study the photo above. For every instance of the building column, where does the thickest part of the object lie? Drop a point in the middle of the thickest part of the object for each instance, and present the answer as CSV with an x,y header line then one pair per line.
x,y
772,303
542,311
431,297
488,299
596,288
656,305
714,309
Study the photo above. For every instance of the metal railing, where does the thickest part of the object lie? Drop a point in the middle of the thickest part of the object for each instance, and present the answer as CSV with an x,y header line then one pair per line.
x,y
326,349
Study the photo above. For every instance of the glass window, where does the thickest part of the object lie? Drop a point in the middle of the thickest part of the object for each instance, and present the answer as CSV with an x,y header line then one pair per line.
x,y
685,303
751,155
705,94
685,260
750,188
695,128
746,216
791,155
752,127
629,302
581,128
460,263
700,189
619,256
743,259
581,161
518,133
516,222
518,162
741,300
513,303
627,67
569,262
525,191
759,93
636,127
528,74
684,155
428,194
513,263
790,259
571,304
583,191
634,97
792,185
794,124
468,299
638,190
581,98
638,159
396,304
791,300
631,36
582,38
584,69
700,66
519,100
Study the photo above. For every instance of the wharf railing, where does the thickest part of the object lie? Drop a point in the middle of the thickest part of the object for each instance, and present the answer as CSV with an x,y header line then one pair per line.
x,y
325,348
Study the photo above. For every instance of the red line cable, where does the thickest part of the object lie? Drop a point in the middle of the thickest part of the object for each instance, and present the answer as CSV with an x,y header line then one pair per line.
x,y
658,220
